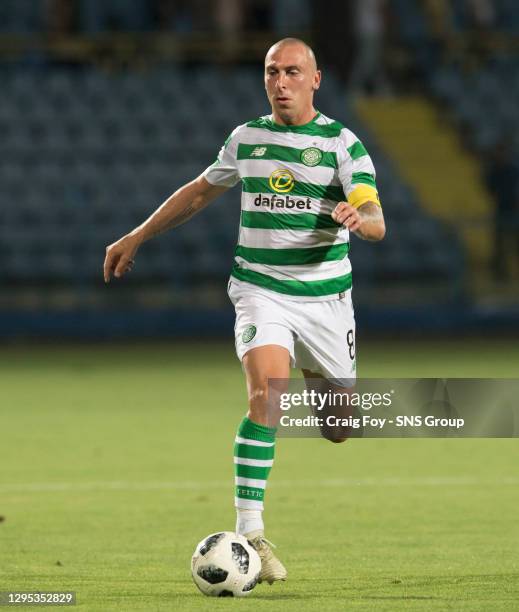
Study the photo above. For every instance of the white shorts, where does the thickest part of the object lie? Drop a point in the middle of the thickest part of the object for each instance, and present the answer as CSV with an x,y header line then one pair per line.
x,y
319,335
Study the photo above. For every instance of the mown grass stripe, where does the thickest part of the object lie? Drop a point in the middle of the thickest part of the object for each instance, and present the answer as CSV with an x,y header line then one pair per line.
x,y
293,257
294,287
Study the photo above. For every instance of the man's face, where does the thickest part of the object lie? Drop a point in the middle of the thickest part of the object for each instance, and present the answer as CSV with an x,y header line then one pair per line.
x,y
291,78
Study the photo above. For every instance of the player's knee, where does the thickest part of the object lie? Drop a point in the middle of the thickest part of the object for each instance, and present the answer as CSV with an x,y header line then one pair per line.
x,y
258,394
258,402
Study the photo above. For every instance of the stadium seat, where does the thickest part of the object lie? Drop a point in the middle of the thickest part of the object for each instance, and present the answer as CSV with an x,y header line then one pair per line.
x,y
102,151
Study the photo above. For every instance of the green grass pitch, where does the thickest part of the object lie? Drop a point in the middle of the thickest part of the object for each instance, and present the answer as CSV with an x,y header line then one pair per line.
x,y
115,461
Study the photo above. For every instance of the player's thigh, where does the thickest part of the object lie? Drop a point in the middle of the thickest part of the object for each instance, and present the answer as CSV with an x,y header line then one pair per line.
x,y
261,321
264,363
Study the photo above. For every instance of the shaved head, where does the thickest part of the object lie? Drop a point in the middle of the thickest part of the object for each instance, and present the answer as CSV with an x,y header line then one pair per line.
x,y
291,79
294,42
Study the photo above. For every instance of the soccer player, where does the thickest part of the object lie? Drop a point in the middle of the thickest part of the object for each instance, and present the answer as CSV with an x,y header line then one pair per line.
x,y
307,182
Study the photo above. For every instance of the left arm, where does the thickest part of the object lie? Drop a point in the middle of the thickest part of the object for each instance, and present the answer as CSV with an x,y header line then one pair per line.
x,y
366,221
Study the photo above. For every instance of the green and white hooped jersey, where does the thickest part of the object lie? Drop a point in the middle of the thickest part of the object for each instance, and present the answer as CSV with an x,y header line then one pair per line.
x,y
292,178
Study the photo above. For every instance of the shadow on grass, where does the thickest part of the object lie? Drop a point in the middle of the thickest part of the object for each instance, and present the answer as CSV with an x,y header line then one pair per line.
x,y
402,597
256,596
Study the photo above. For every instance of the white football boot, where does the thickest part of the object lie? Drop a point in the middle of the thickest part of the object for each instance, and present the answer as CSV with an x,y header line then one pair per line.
x,y
271,567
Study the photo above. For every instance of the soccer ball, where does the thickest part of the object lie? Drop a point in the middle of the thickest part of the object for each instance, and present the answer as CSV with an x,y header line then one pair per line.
x,y
225,564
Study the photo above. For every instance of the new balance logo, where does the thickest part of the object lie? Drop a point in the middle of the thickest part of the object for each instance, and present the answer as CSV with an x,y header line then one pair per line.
x,y
259,152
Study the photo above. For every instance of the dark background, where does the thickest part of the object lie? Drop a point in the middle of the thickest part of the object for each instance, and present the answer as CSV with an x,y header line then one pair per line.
x,y
107,107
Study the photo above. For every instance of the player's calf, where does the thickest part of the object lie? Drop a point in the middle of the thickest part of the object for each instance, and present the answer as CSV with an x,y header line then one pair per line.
x,y
254,451
335,415
334,433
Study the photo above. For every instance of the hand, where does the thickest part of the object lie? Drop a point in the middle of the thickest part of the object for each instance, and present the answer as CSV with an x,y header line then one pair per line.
x,y
119,257
347,215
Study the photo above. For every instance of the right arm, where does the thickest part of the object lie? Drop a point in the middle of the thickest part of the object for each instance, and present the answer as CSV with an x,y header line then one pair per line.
x,y
177,209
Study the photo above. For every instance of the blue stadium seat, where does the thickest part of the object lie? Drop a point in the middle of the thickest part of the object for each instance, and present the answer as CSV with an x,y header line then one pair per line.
x,y
97,153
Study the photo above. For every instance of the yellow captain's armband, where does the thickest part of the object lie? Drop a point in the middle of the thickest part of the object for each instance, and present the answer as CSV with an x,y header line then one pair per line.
x,y
362,194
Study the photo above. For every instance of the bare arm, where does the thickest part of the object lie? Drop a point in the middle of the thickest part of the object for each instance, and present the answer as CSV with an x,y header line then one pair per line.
x,y
177,209
366,221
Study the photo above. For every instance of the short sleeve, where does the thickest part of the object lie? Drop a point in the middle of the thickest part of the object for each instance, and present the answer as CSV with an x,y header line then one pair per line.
x,y
356,171
224,171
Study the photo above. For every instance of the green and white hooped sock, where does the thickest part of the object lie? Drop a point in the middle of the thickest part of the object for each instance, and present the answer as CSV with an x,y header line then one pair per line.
x,y
253,458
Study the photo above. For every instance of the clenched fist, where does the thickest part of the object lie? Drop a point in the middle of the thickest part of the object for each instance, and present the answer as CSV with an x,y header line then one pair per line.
x,y
347,215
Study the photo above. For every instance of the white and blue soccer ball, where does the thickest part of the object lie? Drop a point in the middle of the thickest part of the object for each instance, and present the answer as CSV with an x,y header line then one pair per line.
x,y
225,564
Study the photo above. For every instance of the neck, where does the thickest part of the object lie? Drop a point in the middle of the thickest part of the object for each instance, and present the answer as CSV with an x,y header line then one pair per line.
x,y
291,119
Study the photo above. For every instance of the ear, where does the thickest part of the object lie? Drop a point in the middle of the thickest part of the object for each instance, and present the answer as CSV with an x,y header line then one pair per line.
x,y
317,80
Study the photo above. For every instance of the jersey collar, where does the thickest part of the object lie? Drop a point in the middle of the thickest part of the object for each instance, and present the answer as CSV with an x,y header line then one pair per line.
x,y
293,128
